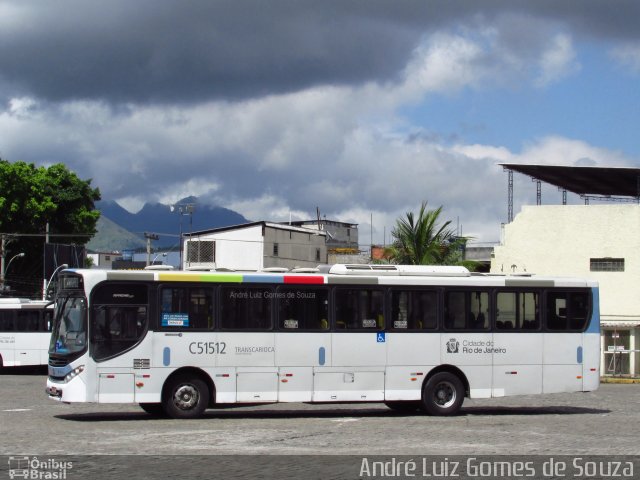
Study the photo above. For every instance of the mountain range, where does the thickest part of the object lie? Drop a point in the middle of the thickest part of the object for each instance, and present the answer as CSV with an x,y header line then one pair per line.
x,y
119,229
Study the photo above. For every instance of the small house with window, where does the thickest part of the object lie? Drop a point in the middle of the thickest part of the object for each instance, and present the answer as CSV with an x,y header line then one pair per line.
x,y
255,246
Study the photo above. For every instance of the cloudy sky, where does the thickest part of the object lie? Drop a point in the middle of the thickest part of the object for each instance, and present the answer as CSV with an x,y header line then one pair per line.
x,y
361,108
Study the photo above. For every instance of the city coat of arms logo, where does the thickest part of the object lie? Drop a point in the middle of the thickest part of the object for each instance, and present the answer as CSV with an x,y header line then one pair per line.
x,y
452,346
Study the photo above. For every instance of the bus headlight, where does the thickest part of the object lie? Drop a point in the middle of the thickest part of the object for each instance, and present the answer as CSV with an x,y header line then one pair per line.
x,y
73,373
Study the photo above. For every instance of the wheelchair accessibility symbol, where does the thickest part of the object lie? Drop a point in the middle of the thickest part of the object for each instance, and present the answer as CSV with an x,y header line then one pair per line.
x,y
381,338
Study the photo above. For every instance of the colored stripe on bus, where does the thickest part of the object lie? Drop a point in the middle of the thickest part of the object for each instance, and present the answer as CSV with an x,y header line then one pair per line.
x,y
216,277
126,275
263,278
199,277
354,280
304,279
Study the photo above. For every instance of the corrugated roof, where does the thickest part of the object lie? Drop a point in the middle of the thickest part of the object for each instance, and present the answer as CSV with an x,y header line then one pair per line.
x,y
278,226
605,181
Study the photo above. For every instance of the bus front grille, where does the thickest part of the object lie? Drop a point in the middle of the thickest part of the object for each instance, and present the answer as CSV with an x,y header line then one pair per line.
x,y
57,362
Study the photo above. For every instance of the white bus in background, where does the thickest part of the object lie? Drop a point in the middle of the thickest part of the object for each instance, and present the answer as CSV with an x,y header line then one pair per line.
x,y
25,332
414,337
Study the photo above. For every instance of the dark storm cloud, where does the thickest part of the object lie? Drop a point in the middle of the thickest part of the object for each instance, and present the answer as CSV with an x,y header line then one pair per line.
x,y
157,51
180,51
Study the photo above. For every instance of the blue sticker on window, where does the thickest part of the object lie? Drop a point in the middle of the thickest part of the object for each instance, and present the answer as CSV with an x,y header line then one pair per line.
x,y
175,319
381,337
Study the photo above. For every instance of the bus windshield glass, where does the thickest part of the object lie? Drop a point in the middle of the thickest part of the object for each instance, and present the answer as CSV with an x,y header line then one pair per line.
x,y
69,334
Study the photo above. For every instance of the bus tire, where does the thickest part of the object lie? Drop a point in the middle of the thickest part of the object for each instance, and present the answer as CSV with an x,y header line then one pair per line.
x,y
443,394
185,397
403,407
154,409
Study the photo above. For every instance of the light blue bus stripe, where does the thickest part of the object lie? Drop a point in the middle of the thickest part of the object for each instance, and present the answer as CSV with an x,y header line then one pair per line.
x,y
262,279
594,325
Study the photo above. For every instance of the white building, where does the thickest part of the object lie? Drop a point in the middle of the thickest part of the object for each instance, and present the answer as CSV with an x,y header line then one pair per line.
x,y
255,246
595,241
103,259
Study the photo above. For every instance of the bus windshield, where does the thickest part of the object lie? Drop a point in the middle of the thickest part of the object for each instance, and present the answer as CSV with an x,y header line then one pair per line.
x,y
69,333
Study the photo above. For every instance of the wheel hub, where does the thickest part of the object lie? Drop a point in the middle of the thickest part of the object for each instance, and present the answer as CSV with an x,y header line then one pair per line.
x,y
186,397
445,394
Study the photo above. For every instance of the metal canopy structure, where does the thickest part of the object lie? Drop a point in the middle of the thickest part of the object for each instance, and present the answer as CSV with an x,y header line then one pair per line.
x,y
606,183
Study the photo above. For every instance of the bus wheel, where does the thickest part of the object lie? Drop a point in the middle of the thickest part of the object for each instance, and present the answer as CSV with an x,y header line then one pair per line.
x,y
185,397
403,407
154,409
443,394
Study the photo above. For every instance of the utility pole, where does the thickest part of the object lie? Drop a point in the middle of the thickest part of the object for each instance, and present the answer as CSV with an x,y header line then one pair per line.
x,y
149,237
3,243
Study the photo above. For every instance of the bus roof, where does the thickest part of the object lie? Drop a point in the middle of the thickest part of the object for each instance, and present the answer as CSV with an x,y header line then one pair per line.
x,y
408,270
343,274
15,301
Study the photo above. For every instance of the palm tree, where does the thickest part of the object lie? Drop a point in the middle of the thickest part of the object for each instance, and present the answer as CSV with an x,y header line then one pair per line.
x,y
422,241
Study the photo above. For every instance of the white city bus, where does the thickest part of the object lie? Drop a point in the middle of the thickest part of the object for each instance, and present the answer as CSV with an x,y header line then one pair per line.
x,y
413,337
25,332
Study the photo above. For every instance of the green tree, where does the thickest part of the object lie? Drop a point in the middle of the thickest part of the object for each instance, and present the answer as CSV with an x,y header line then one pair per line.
x,y
32,197
424,240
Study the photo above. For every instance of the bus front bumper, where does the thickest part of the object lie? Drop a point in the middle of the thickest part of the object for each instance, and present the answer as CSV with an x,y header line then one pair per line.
x,y
68,392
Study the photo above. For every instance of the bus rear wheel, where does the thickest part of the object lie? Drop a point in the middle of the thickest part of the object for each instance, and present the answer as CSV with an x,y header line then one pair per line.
x,y
443,394
185,397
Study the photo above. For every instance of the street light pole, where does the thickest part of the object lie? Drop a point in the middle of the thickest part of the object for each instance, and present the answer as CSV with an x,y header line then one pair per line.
x,y
163,254
45,290
3,270
184,209
149,237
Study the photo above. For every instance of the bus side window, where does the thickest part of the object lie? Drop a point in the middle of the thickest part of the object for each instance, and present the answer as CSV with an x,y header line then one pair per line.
x,y
414,310
185,307
359,309
301,308
567,311
455,310
467,310
6,321
517,311
114,329
246,308
46,322
27,320
557,311
579,309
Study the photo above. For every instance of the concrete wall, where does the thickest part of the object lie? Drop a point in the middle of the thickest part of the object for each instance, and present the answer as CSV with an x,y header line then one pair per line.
x,y
339,234
359,259
295,248
239,249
